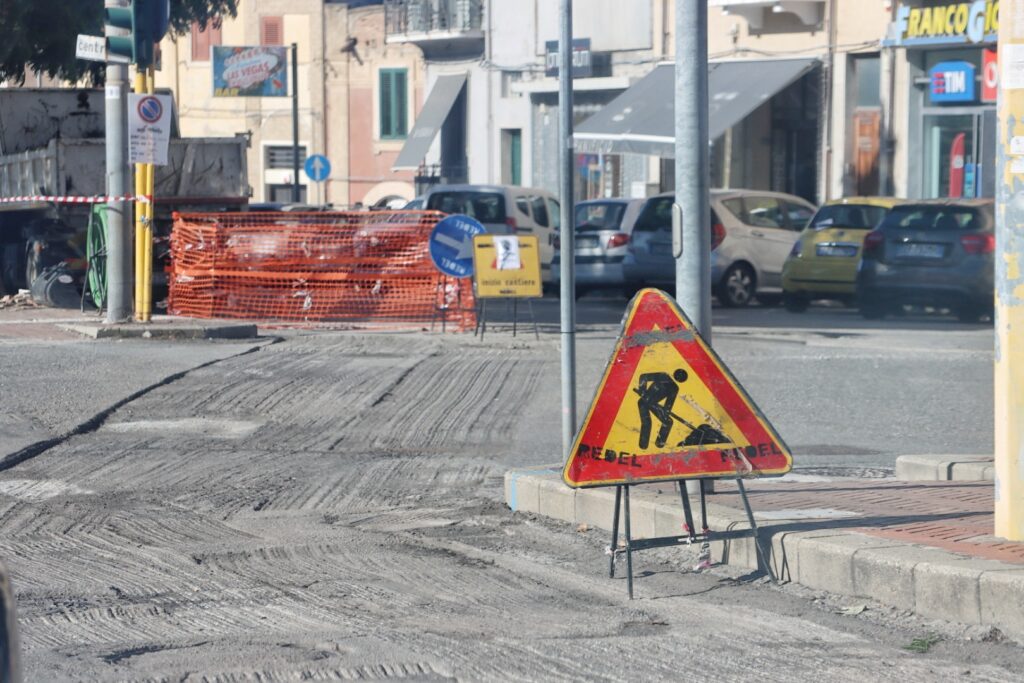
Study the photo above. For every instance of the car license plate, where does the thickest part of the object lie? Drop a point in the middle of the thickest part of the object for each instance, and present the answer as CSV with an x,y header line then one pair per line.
x,y
847,250
589,242
917,250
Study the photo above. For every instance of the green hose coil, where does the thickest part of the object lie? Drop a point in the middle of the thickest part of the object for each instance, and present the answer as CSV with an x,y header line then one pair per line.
x,y
96,254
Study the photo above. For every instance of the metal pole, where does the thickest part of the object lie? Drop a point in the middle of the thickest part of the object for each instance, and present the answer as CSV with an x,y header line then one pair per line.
x,y
691,229
1009,259
295,123
567,237
119,265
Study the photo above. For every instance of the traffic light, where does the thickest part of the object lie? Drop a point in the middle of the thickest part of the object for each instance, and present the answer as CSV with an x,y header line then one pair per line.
x,y
146,21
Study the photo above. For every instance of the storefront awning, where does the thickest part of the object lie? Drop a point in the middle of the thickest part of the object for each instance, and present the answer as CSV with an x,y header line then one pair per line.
x,y
642,119
435,110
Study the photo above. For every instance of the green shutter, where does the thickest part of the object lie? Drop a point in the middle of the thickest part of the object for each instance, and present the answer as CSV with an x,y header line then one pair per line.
x,y
401,105
394,104
386,104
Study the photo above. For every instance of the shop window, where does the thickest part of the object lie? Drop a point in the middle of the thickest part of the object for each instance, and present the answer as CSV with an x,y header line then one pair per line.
x,y
203,38
393,104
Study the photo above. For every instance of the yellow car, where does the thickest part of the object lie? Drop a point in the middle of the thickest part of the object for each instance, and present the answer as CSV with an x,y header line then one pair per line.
x,y
823,263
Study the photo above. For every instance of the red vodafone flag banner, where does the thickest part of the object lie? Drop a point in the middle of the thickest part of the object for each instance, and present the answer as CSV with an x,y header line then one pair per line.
x,y
667,408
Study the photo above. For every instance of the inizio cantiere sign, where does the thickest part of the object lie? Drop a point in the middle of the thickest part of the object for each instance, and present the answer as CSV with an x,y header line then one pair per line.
x,y
250,71
951,23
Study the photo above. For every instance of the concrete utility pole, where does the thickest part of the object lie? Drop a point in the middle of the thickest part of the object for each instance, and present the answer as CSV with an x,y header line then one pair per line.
x,y
119,263
567,236
691,214
1009,379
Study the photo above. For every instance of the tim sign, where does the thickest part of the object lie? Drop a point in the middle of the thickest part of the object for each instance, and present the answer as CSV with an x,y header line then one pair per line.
x,y
250,71
952,82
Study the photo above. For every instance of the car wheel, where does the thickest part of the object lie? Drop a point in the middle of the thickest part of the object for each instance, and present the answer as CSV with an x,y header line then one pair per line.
x,y
795,303
737,286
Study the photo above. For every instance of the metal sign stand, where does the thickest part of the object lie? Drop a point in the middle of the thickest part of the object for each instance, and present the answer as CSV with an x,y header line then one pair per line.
x,y
481,318
705,537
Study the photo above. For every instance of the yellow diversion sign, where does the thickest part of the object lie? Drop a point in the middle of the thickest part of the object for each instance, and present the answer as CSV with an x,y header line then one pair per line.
x,y
507,266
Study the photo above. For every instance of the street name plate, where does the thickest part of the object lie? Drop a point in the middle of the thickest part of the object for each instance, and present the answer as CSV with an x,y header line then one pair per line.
x,y
91,48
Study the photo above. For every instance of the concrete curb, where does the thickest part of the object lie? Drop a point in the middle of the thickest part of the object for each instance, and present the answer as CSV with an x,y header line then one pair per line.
x,y
929,581
145,331
945,468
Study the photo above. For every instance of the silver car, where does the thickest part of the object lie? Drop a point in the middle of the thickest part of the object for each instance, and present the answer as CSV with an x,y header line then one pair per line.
x,y
752,233
603,228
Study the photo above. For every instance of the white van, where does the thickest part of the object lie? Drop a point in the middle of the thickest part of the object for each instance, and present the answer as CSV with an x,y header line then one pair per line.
x,y
504,210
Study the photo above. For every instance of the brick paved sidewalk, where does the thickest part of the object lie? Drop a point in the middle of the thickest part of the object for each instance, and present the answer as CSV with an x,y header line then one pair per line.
x,y
954,516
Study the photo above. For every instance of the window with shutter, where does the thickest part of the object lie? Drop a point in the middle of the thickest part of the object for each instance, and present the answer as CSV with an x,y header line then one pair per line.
x,y
394,104
271,31
204,37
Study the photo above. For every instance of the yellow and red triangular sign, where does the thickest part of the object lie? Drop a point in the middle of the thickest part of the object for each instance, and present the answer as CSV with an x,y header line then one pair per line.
x,y
668,408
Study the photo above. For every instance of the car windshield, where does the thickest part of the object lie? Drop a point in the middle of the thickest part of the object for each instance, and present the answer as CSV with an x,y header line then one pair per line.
x,y
603,216
934,218
486,207
848,216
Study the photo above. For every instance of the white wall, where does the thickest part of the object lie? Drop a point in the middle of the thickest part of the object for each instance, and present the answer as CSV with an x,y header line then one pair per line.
x,y
631,29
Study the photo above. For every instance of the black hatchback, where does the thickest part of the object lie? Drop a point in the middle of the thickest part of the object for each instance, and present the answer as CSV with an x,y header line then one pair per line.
x,y
933,253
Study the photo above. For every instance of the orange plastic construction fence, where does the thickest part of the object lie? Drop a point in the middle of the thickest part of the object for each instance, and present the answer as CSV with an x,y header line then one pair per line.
x,y
371,266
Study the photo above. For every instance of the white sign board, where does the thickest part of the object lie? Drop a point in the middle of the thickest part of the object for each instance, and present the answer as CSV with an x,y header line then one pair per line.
x,y
149,128
92,48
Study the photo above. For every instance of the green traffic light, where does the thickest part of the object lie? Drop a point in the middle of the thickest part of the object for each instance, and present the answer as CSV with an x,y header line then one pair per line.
x,y
138,17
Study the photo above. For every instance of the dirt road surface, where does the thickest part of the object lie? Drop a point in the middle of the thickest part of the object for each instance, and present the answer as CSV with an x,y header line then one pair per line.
x,y
328,507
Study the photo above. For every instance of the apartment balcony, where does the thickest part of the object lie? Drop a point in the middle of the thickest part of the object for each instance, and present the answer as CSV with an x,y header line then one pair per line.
x,y
436,25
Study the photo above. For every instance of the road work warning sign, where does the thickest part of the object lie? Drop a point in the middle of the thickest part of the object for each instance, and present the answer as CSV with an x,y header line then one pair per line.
x,y
668,408
507,266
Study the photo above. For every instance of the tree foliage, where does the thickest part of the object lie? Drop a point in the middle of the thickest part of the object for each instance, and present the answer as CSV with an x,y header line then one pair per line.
x,y
40,35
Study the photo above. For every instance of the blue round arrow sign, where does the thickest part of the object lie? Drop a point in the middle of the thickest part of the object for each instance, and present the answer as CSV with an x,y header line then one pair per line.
x,y
451,245
318,168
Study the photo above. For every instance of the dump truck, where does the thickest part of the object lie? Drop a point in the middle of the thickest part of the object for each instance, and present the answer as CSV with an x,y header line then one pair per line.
x,y
53,153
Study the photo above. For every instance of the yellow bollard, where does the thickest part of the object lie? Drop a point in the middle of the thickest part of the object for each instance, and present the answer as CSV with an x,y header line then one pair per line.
x,y
140,216
1009,324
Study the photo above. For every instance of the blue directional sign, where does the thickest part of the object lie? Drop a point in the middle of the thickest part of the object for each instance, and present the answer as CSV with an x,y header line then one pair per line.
x,y
318,168
451,245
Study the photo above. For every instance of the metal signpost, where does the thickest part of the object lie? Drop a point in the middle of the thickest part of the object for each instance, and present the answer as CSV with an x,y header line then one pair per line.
x,y
1009,271
318,169
567,232
667,409
119,267
691,215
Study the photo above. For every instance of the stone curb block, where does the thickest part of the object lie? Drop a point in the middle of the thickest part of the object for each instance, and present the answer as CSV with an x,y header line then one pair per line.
x,y
141,331
931,582
945,468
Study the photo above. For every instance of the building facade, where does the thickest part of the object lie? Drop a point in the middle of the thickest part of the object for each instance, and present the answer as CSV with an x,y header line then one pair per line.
x,y
355,94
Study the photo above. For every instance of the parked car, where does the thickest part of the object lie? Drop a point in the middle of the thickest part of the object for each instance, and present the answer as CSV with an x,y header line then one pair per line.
x,y
603,227
504,210
752,232
824,260
934,253
414,204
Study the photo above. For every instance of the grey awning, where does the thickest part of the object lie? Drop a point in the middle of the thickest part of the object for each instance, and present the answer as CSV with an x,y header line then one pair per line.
x,y
435,110
642,119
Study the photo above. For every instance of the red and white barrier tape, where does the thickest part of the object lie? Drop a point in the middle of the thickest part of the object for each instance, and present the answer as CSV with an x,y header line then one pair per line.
x,y
66,199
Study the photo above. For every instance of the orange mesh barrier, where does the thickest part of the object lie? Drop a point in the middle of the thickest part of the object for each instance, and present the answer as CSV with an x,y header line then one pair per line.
x,y
313,267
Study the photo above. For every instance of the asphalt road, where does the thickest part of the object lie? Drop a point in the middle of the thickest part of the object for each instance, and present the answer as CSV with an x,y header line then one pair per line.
x,y
330,507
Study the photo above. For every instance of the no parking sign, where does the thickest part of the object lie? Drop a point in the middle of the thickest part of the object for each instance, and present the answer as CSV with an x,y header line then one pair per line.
x,y
149,128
